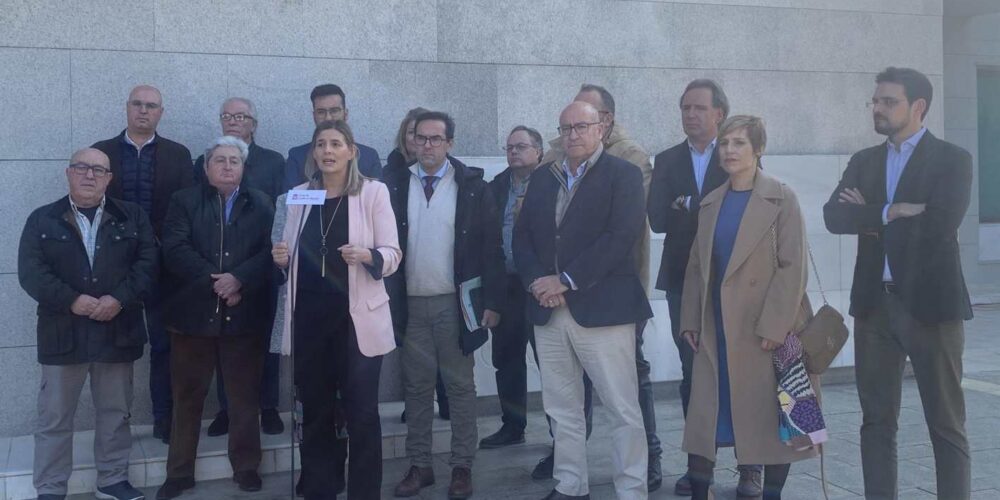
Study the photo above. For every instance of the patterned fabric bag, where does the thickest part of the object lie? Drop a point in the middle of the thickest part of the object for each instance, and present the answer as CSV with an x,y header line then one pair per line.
x,y
800,420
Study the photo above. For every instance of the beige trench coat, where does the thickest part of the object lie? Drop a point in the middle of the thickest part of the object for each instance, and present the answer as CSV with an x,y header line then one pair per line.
x,y
619,145
763,296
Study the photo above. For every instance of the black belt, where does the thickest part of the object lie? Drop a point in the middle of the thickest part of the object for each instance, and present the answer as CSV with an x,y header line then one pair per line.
x,y
890,287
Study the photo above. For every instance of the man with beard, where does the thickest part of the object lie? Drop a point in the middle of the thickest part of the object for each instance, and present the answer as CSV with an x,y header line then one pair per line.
x,y
905,199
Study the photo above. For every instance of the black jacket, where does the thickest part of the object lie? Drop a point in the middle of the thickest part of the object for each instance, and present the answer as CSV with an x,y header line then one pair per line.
x,y
53,267
593,244
477,238
673,176
172,171
197,243
923,251
264,170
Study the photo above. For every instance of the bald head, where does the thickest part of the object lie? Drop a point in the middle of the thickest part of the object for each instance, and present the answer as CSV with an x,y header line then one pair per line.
x,y
88,175
581,131
144,109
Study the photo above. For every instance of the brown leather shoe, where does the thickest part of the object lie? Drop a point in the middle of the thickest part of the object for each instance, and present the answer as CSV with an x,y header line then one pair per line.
x,y
416,478
461,483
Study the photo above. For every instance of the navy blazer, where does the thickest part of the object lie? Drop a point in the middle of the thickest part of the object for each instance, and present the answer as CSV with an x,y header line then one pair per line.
x,y
593,244
673,176
368,163
923,251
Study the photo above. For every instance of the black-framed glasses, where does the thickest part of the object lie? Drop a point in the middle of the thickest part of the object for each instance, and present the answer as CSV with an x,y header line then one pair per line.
x,y
148,106
580,128
518,148
328,111
238,117
423,140
885,102
81,169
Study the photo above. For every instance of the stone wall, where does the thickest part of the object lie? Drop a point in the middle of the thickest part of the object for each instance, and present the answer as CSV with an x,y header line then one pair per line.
x,y
806,66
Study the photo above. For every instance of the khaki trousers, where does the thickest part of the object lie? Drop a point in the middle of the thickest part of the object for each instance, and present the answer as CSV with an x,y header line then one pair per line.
x,y
607,354
111,389
882,342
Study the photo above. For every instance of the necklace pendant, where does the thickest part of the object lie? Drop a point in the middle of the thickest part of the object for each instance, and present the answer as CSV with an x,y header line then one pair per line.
x,y
323,266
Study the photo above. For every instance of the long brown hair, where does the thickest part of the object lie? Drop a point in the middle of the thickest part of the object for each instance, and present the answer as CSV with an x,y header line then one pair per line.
x,y
354,177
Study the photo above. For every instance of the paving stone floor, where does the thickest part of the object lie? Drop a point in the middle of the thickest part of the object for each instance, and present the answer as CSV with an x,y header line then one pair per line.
x,y
505,473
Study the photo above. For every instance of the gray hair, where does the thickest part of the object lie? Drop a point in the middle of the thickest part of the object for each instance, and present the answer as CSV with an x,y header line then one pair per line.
x,y
227,141
719,99
244,100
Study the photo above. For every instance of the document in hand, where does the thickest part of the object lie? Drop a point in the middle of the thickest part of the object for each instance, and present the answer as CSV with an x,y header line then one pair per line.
x,y
471,296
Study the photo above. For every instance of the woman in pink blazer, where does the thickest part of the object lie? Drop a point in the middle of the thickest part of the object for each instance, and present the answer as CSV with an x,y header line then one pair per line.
x,y
335,257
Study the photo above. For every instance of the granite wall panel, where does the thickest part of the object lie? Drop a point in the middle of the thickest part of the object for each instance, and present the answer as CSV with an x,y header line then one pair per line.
x,y
35,106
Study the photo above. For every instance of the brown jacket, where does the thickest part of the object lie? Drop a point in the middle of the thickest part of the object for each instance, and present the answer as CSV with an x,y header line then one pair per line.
x,y
762,297
618,144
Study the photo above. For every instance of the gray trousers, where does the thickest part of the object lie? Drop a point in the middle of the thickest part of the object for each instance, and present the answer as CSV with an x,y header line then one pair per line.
x,y
431,344
111,387
882,342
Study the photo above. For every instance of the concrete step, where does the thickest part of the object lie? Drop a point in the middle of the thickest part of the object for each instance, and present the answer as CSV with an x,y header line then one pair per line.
x,y
148,462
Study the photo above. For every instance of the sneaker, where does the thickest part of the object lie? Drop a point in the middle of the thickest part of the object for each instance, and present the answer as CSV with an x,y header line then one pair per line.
x,y
270,422
161,429
219,426
544,468
506,436
119,491
51,496
750,484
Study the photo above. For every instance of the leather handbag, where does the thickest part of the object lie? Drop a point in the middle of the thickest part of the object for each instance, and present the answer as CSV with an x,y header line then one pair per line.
x,y
825,334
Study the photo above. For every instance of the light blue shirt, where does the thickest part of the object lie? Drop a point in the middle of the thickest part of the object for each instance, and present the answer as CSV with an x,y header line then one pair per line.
x,y
570,178
895,163
88,229
230,202
701,161
437,176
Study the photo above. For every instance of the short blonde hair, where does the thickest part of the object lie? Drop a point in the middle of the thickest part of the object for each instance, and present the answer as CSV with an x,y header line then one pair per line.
x,y
354,177
754,127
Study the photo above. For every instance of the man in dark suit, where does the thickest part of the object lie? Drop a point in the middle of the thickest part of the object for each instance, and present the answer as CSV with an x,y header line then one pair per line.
x,y
573,242
147,169
264,170
905,199
329,104
512,334
682,176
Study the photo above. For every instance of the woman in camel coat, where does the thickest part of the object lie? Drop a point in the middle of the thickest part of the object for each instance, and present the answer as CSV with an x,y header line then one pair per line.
x,y
748,272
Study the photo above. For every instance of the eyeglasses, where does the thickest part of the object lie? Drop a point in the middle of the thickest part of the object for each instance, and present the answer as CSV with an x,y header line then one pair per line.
x,y
580,128
238,117
81,169
148,106
434,141
517,148
886,102
328,111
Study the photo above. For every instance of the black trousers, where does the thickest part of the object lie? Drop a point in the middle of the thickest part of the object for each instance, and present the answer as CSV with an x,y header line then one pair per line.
x,y
683,348
510,344
327,360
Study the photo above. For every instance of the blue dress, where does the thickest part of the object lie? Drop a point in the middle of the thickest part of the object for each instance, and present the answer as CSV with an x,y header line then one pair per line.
x,y
726,229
